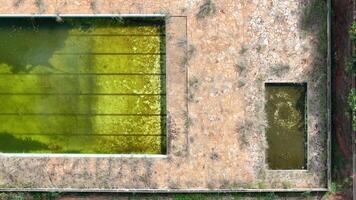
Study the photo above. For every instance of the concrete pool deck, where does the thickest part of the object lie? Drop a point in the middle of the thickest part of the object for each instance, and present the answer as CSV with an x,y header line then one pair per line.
x,y
220,53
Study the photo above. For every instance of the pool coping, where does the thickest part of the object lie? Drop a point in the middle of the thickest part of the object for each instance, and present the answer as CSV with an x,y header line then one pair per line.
x,y
291,190
84,15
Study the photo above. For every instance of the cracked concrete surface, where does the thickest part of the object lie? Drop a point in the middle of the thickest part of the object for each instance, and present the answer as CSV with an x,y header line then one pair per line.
x,y
215,97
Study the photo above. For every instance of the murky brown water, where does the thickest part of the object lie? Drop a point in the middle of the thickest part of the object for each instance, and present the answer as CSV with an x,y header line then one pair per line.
x,y
286,132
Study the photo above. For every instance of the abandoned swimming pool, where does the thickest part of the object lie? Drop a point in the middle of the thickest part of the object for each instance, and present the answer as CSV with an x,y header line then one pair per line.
x,y
82,85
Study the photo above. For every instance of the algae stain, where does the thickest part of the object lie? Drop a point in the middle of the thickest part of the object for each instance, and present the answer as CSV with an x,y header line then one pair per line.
x,y
24,46
11,144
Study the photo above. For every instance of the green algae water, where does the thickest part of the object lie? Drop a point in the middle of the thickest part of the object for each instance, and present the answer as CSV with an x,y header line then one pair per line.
x,y
82,85
286,131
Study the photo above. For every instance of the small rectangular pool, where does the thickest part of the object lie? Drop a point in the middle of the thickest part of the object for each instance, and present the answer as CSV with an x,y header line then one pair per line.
x,y
83,85
286,131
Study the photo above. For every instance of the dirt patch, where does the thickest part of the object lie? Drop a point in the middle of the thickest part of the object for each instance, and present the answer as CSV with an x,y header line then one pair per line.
x,y
342,84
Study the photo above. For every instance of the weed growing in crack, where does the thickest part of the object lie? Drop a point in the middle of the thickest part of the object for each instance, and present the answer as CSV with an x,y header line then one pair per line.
x,y
206,9
40,6
193,85
243,50
188,121
17,3
93,6
209,185
240,67
184,63
260,79
286,185
182,42
262,185
173,184
280,69
188,53
243,130
241,83
191,97
224,184
214,156
191,51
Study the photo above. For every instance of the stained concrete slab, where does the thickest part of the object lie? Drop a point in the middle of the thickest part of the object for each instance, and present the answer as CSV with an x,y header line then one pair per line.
x,y
215,100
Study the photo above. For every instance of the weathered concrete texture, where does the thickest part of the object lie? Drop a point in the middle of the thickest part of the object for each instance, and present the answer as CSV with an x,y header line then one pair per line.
x,y
219,55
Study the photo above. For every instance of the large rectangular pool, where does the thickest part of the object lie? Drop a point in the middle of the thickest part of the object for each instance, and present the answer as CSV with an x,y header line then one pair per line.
x,y
82,85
